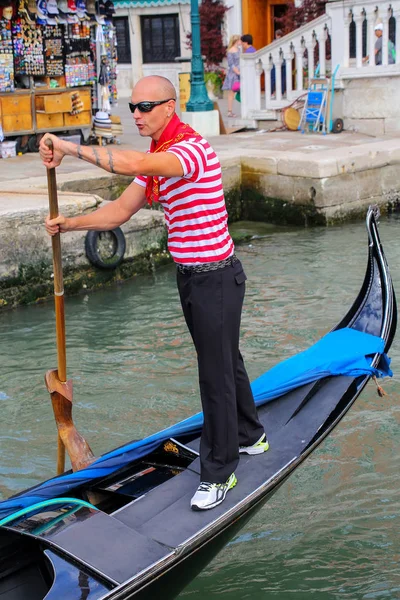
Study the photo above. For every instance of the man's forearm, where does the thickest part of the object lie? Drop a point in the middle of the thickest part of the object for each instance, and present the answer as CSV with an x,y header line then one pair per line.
x,y
123,162
126,162
103,219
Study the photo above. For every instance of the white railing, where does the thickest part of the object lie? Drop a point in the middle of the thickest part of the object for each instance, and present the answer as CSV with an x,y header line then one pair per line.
x,y
283,63
358,16
289,62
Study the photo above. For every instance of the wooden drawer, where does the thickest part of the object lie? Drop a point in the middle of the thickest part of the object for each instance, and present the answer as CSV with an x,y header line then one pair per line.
x,y
16,105
16,122
44,121
86,98
83,118
54,103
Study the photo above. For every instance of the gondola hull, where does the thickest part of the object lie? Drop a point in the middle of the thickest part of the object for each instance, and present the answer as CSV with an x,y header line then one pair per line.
x,y
145,542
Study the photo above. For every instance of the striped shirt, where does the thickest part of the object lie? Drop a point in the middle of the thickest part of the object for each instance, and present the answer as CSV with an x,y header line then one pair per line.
x,y
194,206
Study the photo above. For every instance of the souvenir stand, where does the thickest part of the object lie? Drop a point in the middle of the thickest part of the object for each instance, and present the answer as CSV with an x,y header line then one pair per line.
x,y
106,128
49,67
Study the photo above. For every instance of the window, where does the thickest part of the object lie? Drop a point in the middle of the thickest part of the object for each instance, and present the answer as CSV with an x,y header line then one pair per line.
x,y
160,38
353,38
123,41
392,30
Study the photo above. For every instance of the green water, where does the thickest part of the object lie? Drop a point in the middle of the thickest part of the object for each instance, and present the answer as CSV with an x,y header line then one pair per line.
x,y
331,531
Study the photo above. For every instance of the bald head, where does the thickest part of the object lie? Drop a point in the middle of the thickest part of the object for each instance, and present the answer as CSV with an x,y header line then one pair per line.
x,y
154,87
158,96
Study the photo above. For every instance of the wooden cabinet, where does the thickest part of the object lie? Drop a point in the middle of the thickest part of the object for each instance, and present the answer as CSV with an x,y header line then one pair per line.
x,y
41,110
16,113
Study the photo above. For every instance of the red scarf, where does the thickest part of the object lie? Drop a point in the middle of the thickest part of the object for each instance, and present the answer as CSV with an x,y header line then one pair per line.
x,y
175,132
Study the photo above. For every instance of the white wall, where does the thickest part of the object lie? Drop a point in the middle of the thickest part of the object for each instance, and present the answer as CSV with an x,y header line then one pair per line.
x,y
233,21
124,81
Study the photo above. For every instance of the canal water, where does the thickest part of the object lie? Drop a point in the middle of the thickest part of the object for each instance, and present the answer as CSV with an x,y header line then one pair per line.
x,y
332,531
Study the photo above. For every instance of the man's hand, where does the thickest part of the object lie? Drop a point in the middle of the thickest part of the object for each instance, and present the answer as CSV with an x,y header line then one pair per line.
x,y
51,158
57,225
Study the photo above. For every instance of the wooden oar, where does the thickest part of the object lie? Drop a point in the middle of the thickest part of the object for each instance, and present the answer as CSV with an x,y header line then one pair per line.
x,y
56,380
58,299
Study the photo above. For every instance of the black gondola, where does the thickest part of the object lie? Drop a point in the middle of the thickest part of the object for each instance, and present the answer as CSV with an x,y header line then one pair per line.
x,y
142,540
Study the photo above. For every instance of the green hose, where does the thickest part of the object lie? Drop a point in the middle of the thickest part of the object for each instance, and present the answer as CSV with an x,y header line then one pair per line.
x,y
45,503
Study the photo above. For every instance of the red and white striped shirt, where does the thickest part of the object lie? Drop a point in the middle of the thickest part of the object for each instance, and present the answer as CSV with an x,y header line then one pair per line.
x,y
194,206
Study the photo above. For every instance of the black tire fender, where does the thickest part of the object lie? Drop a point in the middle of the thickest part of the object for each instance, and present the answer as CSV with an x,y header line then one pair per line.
x,y
112,241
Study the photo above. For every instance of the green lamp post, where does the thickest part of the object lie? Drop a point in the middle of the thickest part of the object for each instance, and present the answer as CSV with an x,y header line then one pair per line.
x,y
199,100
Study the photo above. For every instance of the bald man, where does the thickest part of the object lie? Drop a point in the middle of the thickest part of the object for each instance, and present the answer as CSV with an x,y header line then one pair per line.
x,y
183,174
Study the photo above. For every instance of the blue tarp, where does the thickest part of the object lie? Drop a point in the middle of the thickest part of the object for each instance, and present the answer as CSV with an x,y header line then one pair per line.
x,y
341,352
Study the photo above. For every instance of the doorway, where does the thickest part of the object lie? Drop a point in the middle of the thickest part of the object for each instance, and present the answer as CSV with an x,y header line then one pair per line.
x,y
259,19
278,12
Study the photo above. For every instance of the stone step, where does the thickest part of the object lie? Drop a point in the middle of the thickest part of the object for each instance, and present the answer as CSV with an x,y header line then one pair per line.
x,y
237,122
265,115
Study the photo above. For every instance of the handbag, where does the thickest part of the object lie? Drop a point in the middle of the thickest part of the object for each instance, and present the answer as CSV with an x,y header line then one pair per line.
x,y
236,86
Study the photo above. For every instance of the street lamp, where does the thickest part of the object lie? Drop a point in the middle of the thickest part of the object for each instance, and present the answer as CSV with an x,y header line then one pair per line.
x,y
199,100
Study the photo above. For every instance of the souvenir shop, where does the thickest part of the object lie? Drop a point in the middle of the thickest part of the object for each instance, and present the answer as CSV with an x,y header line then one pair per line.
x,y
58,68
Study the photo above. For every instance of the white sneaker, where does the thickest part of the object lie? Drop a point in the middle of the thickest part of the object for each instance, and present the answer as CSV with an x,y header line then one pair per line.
x,y
257,448
209,495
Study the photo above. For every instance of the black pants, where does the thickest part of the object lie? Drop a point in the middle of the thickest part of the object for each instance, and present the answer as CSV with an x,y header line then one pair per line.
x,y
212,305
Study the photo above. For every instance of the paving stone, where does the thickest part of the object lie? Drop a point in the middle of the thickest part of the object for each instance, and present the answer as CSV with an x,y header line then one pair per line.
x,y
296,164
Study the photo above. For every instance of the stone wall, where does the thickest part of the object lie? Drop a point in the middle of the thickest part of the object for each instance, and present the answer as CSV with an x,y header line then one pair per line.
x,y
288,187
26,270
371,105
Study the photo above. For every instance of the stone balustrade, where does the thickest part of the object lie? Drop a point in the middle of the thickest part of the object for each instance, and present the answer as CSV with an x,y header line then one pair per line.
x,y
355,22
344,36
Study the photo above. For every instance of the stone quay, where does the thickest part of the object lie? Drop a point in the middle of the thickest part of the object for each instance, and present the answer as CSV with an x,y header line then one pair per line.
x,y
279,177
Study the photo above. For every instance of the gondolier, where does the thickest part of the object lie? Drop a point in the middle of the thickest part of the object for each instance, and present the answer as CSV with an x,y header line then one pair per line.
x,y
183,173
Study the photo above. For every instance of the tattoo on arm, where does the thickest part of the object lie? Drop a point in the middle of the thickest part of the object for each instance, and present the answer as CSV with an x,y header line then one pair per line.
x,y
97,157
80,155
110,161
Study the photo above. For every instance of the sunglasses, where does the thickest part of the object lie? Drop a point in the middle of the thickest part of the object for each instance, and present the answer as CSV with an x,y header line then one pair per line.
x,y
147,106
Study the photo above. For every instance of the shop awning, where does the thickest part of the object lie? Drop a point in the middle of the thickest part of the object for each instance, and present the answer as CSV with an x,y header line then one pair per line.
x,y
145,3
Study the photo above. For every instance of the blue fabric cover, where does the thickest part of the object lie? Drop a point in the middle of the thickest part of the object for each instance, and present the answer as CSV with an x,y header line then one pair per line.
x,y
342,352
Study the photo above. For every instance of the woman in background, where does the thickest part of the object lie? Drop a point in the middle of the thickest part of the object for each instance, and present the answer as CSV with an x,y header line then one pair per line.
x,y
232,78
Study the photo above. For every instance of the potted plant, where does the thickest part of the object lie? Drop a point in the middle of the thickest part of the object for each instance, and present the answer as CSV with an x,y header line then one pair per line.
x,y
214,78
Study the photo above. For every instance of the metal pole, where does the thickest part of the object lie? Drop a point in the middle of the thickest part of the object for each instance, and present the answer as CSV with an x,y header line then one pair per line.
x,y
199,100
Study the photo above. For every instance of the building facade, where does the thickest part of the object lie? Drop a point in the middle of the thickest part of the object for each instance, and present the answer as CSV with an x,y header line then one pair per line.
x,y
152,34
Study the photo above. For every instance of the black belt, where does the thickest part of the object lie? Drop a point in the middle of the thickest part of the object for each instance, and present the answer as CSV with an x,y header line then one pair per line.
x,y
211,266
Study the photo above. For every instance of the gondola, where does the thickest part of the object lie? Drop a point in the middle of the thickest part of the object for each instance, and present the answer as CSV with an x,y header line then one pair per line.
x,y
122,527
